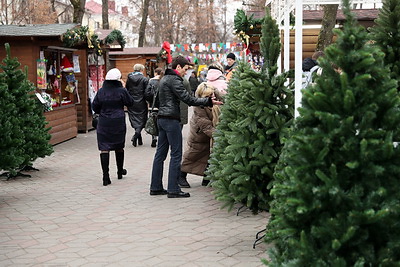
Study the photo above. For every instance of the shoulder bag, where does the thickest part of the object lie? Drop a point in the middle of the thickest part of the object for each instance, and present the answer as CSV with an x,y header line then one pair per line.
x,y
151,123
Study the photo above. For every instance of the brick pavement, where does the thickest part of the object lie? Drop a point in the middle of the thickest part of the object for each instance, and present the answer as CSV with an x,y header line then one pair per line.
x,y
64,216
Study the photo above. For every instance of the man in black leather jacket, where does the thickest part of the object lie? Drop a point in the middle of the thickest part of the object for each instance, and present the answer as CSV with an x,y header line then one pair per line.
x,y
171,92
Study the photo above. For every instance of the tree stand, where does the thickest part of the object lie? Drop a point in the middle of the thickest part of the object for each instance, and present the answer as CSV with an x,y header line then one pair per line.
x,y
259,237
9,175
241,208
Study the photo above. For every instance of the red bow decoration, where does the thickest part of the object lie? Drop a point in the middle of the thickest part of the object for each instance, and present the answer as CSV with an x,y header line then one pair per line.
x,y
166,46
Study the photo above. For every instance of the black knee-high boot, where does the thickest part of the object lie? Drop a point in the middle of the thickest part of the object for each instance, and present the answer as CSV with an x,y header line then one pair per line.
x,y
140,140
119,156
105,161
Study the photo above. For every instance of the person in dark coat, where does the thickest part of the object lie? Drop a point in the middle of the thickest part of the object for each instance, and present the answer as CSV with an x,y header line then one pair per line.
x,y
232,65
109,103
171,92
184,108
309,63
194,82
151,91
136,85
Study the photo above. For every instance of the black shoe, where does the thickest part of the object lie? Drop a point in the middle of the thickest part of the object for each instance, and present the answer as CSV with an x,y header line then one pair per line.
x,y
158,192
123,172
178,195
205,182
106,181
140,140
154,143
134,141
183,183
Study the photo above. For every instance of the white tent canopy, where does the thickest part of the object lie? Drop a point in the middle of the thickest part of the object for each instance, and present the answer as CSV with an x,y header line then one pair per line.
x,y
280,10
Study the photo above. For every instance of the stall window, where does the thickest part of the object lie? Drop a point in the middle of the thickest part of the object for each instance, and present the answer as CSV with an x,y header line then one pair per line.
x,y
61,86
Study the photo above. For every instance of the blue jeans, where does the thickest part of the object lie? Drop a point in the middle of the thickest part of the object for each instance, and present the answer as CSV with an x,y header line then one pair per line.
x,y
170,134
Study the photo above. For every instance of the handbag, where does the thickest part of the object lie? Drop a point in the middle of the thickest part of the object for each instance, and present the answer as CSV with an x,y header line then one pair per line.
x,y
151,123
95,120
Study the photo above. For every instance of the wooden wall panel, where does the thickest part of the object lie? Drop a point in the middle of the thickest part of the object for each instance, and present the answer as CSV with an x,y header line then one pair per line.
x,y
125,64
63,124
310,39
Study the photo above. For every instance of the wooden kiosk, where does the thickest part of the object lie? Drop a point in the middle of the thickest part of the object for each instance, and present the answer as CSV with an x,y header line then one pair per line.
x,y
39,47
125,60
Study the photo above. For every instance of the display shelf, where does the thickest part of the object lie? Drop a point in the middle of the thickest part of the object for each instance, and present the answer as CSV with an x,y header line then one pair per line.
x,y
61,82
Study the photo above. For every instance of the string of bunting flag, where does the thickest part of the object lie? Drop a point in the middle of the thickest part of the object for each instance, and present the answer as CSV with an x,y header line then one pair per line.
x,y
209,51
208,47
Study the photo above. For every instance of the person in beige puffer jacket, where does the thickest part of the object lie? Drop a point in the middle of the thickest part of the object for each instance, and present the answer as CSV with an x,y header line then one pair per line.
x,y
202,126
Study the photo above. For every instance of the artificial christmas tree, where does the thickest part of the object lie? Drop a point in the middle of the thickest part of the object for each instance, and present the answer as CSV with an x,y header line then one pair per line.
x,y
336,189
23,133
386,34
254,119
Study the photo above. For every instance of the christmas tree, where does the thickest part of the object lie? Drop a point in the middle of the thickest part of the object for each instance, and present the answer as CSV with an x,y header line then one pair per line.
x,y
254,119
336,189
386,34
23,133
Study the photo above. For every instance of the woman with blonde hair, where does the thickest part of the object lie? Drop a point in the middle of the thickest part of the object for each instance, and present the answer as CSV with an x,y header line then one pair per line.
x,y
202,127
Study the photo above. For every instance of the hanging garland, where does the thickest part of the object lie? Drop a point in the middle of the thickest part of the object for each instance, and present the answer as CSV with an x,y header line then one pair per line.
x,y
81,35
117,36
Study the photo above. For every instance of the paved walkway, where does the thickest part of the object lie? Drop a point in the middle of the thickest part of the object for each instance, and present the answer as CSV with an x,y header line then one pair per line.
x,y
64,216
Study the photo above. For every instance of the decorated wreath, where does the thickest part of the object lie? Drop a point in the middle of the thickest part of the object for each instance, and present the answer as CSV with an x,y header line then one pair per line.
x,y
243,25
82,35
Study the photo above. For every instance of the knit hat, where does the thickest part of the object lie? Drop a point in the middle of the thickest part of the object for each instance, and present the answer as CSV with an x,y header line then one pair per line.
x,y
113,75
231,55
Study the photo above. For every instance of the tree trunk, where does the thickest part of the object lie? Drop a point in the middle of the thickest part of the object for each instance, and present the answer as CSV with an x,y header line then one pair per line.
x,y
104,14
53,9
225,32
198,21
79,10
157,23
328,23
170,23
143,23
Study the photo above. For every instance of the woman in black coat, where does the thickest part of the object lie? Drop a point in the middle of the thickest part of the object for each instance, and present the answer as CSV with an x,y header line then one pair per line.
x,y
136,85
109,103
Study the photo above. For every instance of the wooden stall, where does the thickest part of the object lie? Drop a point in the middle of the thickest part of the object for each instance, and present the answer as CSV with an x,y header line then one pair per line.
x,y
311,18
40,48
310,38
126,59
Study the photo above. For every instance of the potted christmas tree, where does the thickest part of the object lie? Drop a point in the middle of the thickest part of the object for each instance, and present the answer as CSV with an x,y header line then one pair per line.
x,y
336,190
254,120
23,135
386,34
